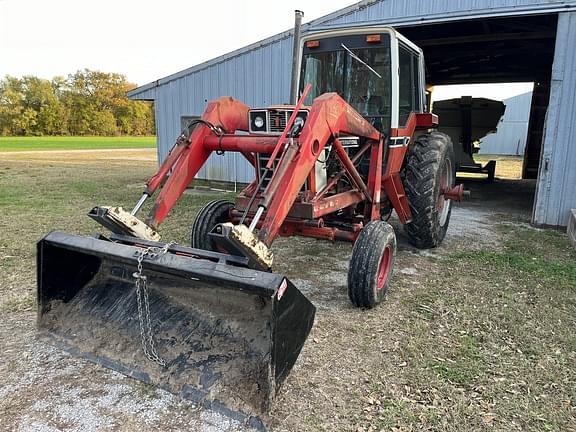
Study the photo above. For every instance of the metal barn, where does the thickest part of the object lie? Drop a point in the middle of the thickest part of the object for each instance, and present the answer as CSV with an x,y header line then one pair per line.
x,y
510,139
464,42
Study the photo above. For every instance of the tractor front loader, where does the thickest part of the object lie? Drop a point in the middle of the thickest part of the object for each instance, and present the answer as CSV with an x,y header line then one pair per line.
x,y
212,321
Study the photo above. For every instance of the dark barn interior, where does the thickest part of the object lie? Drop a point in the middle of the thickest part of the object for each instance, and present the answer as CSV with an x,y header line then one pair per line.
x,y
494,50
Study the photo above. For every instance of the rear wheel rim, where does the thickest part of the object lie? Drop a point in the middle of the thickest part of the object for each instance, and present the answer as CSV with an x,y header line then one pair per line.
x,y
384,268
445,180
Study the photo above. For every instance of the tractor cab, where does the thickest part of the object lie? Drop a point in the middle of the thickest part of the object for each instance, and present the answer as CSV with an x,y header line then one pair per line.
x,y
375,69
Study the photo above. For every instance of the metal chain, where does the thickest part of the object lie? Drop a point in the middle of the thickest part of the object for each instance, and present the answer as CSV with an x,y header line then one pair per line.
x,y
146,335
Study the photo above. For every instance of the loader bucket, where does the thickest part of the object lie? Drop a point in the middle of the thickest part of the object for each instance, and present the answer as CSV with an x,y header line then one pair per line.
x,y
229,335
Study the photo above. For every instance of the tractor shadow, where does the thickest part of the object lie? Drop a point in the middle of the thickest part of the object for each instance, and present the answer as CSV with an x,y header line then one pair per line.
x,y
319,268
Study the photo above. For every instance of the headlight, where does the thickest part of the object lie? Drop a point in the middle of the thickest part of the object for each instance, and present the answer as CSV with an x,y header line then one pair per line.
x,y
258,122
299,122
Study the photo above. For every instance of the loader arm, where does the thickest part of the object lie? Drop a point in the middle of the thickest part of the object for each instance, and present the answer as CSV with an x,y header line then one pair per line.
x,y
329,116
187,157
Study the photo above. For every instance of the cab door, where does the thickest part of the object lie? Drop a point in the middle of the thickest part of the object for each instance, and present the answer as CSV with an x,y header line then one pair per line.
x,y
410,82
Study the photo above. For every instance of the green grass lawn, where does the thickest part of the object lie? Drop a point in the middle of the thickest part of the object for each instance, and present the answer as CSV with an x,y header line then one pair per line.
x,y
478,339
11,144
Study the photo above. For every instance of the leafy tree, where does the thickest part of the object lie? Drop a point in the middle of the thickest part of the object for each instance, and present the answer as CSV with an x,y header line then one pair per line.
x,y
11,106
49,113
85,103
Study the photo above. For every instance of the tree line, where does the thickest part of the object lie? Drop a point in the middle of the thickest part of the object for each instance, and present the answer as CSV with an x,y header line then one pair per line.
x,y
85,103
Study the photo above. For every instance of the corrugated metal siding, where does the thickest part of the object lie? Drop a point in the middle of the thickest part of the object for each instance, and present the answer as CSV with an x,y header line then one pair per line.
x,y
556,190
510,139
260,75
517,108
141,93
258,78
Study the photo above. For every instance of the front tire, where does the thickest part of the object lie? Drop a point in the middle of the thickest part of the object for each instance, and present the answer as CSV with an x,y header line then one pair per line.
x,y
371,264
430,169
212,214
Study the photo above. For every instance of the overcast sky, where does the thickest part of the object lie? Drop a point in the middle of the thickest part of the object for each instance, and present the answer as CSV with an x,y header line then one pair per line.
x,y
142,39
490,91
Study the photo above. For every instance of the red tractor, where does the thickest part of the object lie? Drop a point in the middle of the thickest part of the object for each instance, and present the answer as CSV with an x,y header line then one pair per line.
x,y
358,145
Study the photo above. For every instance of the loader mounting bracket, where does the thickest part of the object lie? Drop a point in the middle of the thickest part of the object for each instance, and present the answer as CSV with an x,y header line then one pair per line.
x,y
119,221
227,240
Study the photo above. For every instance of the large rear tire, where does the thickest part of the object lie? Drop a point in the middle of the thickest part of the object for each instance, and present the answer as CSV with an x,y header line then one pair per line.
x,y
430,169
213,213
371,264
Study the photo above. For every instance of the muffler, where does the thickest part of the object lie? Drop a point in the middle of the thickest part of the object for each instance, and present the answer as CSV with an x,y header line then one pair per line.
x,y
226,336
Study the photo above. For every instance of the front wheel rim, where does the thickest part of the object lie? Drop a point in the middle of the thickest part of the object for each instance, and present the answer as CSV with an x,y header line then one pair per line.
x,y
384,268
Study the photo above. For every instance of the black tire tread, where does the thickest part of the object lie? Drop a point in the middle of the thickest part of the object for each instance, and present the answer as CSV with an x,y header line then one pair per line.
x,y
364,263
208,216
420,183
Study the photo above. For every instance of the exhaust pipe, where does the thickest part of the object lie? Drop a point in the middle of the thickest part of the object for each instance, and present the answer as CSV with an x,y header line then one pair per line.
x,y
298,15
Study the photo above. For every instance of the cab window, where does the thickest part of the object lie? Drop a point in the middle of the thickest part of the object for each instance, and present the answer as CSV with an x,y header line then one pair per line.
x,y
410,98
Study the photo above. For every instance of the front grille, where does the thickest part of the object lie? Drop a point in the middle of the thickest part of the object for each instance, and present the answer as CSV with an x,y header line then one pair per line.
x,y
277,120
272,121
